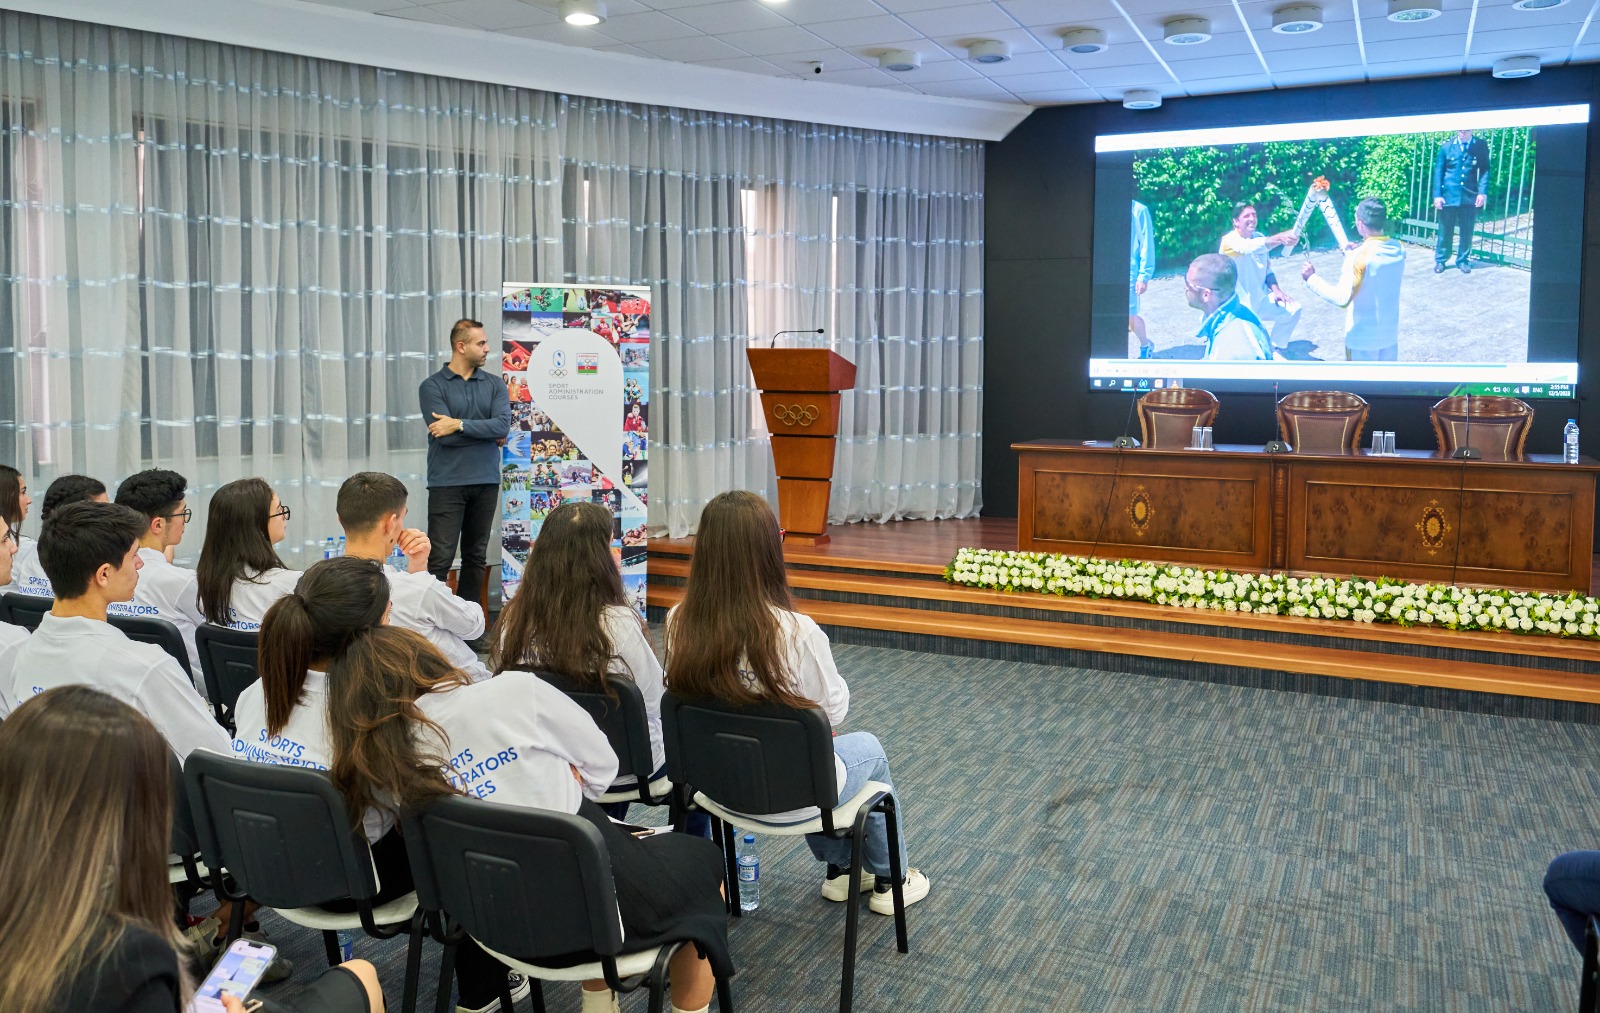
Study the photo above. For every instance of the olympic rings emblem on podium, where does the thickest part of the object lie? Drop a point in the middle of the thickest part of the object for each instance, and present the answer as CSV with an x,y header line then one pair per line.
x,y
795,415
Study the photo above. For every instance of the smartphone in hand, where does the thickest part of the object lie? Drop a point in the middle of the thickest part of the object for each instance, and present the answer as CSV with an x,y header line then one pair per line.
x,y
239,970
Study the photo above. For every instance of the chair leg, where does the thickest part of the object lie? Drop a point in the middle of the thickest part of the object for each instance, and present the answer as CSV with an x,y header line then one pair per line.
x,y
730,863
330,946
236,920
852,913
506,1005
1589,986
447,973
891,818
724,995
536,991
408,998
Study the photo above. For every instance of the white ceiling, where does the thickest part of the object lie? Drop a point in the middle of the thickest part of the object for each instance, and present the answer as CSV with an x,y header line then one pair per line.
x,y
778,39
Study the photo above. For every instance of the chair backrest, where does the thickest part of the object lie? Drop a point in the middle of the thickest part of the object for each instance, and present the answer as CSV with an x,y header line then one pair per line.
x,y
623,719
528,883
1322,421
283,833
185,838
756,760
152,630
1167,417
27,610
1497,426
228,663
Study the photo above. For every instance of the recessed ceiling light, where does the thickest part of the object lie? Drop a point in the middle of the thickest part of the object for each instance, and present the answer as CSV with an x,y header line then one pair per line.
x,y
1512,67
1414,10
1536,5
899,60
1297,19
1084,41
1187,31
989,51
1141,98
583,13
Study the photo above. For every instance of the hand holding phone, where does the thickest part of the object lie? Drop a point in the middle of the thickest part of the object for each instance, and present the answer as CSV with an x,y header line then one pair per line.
x,y
237,971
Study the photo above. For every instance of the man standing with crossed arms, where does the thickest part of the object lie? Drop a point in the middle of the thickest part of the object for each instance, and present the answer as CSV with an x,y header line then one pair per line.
x,y
468,413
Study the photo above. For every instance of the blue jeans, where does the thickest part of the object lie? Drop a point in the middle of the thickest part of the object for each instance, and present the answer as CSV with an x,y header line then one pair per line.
x,y
863,761
1573,885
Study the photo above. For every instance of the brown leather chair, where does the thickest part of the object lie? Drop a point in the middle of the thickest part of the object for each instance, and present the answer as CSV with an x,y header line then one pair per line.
x,y
1167,417
1322,421
1499,426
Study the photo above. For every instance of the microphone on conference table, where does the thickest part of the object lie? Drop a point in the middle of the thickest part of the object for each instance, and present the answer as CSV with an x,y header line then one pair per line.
x,y
1125,441
773,343
1467,452
1275,445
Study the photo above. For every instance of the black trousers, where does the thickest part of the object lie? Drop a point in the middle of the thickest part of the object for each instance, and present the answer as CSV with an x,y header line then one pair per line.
x,y
464,514
1454,218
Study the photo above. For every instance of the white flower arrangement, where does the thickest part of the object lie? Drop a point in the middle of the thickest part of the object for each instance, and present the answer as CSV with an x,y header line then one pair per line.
x,y
1383,600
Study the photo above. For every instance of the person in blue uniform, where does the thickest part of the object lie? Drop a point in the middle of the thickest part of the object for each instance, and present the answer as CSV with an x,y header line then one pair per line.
x,y
1460,190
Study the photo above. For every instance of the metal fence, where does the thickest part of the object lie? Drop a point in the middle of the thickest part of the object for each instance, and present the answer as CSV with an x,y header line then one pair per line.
x,y
1504,232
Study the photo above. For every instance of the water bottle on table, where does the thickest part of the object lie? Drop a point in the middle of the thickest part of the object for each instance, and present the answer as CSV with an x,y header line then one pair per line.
x,y
1569,442
327,548
749,874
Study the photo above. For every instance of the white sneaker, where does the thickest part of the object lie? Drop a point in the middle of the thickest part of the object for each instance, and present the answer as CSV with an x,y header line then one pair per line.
x,y
520,990
914,889
836,884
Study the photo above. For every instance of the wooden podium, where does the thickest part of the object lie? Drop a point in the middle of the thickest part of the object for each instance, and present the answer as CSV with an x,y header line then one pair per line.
x,y
800,399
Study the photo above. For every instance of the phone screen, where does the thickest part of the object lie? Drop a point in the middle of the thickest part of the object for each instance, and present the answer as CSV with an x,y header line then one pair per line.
x,y
237,972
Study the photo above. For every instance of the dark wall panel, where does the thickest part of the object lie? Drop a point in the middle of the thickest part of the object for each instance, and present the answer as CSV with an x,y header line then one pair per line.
x,y
1039,200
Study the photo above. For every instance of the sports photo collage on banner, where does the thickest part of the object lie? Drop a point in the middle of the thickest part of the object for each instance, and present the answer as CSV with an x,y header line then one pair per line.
x,y
577,364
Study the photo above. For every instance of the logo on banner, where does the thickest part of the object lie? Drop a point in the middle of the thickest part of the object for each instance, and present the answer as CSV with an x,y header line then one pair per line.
x,y
558,363
588,364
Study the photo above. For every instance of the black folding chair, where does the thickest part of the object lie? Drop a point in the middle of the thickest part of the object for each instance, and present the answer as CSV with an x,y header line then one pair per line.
x,y
288,842
526,884
1589,989
160,632
187,875
228,665
740,764
26,610
627,726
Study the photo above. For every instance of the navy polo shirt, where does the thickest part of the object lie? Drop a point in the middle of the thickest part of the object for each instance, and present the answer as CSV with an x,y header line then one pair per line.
x,y
472,456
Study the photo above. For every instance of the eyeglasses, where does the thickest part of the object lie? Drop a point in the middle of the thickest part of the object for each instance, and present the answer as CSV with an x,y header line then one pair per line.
x,y
187,513
282,511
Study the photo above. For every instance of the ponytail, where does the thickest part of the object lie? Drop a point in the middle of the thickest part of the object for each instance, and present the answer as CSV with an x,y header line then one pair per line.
x,y
287,649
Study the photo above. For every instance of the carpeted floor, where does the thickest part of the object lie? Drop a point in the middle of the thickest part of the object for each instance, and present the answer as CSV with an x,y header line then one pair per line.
x,y
1104,842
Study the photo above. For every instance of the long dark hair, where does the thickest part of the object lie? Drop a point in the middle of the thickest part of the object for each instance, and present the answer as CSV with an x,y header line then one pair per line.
x,y
334,603
237,546
85,826
379,757
553,622
11,496
736,578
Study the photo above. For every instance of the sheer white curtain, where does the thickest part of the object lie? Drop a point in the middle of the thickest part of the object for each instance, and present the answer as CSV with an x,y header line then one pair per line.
x,y
235,263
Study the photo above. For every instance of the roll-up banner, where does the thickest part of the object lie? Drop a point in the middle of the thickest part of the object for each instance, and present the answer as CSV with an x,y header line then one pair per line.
x,y
577,364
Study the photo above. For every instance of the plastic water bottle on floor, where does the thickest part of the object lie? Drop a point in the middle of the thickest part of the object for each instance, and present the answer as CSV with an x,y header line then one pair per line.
x,y
347,944
327,548
1569,442
749,874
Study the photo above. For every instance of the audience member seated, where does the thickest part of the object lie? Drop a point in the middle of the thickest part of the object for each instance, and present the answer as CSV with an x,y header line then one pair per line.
x,y
14,504
85,824
372,511
571,617
737,638
283,719
90,552
166,590
1573,885
11,637
240,574
29,576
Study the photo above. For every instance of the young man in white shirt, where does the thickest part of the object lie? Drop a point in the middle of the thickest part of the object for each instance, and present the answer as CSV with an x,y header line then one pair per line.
x,y
372,511
90,552
28,573
11,637
165,591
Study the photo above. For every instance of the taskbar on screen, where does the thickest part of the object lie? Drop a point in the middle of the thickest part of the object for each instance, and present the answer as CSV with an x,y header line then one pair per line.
x,y
1521,379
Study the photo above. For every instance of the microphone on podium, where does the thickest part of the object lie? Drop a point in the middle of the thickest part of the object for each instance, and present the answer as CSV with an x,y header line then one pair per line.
x,y
1275,445
773,342
1467,452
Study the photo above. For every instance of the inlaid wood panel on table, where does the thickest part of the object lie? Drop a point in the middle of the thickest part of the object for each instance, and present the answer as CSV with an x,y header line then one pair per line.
x,y
1526,524
1415,516
1181,507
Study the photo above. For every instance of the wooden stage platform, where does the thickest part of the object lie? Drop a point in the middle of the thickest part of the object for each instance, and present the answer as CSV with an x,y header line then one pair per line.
x,y
884,584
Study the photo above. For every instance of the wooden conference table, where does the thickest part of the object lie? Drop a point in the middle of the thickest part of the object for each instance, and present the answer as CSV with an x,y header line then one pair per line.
x,y
1414,515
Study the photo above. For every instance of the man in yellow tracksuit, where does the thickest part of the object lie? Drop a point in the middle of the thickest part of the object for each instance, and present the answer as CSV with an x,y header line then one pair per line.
x,y
1369,286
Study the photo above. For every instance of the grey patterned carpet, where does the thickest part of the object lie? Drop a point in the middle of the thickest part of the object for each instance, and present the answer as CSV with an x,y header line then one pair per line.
x,y
1103,842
